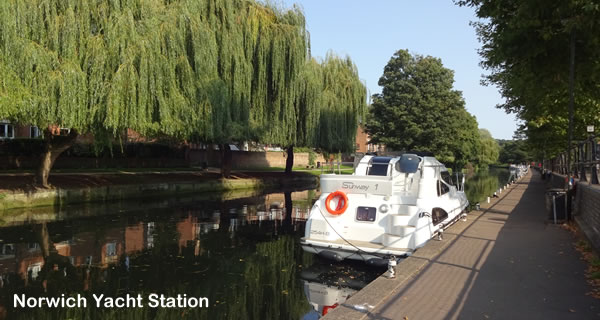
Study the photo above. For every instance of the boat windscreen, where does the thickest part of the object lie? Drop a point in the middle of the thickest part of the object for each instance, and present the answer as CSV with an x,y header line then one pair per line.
x,y
379,166
409,163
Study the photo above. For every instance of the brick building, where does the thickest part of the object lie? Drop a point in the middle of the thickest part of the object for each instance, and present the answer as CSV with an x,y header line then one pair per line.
x,y
362,142
11,131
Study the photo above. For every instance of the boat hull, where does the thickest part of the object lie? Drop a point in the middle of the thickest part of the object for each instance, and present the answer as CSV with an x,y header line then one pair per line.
x,y
371,253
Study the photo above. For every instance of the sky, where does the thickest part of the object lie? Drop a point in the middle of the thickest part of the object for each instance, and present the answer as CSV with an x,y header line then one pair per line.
x,y
371,31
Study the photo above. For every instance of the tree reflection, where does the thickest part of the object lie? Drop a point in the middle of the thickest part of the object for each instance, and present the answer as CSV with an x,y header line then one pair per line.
x,y
484,183
247,274
58,275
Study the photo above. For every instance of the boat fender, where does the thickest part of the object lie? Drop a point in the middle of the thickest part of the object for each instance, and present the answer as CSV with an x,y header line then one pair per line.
x,y
341,206
331,255
377,262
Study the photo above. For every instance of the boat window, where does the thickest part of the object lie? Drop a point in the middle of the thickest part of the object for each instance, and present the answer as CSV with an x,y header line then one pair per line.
x,y
408,163
366,214
447,178
442,188
378,166
438,215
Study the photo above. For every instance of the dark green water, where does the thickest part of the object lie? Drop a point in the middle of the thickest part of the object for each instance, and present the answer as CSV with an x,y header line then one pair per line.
x,y
243,255
484,183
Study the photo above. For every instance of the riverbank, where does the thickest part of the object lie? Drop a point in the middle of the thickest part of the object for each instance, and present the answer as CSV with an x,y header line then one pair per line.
x,y
16,190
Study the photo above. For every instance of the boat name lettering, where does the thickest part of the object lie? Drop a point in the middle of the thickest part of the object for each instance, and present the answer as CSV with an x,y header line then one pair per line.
x,y
352,186
323,233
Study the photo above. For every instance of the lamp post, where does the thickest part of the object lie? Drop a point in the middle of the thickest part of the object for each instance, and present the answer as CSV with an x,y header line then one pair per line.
x,y
571,105
594,157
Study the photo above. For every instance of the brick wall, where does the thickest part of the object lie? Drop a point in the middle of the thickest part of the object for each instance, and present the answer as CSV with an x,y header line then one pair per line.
x,y
361,140
240,160
586,210
250,159
65,162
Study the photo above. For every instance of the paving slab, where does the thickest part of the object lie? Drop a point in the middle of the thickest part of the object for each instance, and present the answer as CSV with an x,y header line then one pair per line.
x,y
506,262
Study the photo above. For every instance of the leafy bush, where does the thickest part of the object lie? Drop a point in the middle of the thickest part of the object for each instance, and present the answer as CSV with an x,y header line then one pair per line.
x,y
21,147
312,157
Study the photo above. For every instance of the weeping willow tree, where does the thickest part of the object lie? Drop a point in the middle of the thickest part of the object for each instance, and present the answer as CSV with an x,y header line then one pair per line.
x,y
330,101
343,105
214,71
307,104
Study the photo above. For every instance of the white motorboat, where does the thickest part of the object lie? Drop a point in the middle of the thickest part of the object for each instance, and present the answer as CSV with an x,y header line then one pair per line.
x,y
389,207
518,171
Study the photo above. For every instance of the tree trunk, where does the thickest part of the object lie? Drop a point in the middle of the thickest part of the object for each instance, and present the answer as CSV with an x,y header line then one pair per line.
x,y
55,145
46,245
57,268
225,160
289,208
289,161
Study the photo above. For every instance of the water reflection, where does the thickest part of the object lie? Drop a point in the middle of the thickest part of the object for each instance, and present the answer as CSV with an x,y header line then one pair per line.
x,y
327,286
485,182
242,254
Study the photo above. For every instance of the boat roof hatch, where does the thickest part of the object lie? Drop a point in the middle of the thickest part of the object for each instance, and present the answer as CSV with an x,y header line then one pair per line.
x,y
408,163
378,166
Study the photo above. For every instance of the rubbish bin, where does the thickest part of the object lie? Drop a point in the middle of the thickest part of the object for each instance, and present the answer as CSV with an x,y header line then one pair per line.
x,y
556,204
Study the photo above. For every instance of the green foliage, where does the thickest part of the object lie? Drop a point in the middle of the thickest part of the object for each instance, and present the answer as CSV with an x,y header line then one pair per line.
x,y
330,101
343,105
209,70
308,103
214,71
526,48
419,111
312,158
489,149
515,151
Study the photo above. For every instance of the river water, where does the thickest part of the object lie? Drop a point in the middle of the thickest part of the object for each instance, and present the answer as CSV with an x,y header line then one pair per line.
x,y
240,251
484,183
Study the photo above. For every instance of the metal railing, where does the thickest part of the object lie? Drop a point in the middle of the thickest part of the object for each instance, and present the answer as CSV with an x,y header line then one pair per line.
x,y
331,166
584,164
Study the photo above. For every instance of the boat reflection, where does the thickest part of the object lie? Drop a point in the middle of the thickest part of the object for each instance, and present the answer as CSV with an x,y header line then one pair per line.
x,y
326,286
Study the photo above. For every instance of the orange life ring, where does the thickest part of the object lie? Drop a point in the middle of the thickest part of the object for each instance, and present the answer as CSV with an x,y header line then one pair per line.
x,y
342,204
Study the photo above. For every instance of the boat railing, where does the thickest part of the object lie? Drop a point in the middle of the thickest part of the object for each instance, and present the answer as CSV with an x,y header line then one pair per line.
x,y
460,181
332,165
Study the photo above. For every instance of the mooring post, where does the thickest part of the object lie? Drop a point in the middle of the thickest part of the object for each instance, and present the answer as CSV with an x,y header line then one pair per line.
x,y
554,207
